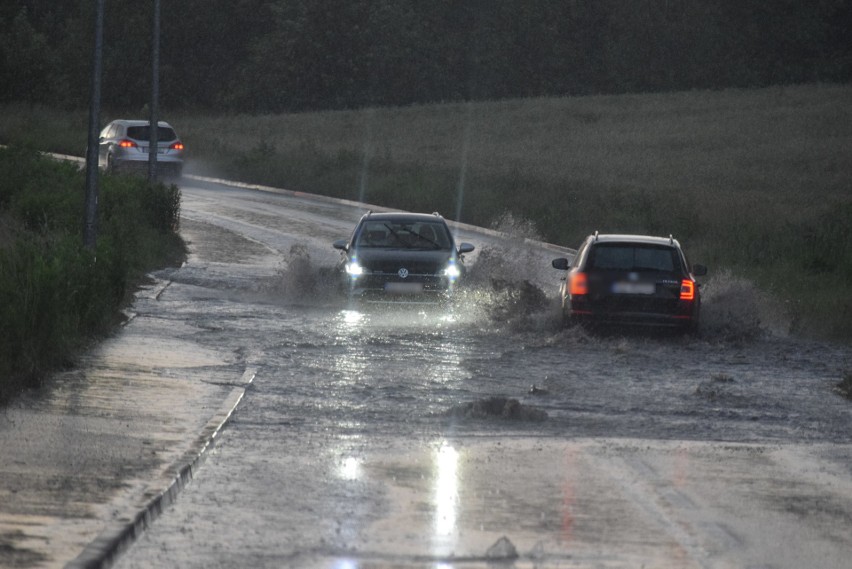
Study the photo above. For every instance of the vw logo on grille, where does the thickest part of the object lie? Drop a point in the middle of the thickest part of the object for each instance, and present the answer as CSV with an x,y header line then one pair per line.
x,y
403,273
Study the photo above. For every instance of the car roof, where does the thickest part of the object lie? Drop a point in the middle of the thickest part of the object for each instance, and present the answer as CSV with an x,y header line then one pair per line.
x,y
140,122
639,239
402,216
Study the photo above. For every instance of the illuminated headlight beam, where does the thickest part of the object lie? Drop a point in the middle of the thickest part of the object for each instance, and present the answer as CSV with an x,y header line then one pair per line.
x,y
353,269
452,271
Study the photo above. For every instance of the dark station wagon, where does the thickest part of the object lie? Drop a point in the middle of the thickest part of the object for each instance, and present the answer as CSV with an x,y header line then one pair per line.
x,y
630,280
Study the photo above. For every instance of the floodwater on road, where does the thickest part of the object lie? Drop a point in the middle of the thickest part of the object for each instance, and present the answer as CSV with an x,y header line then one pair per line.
x,y
405,368
607,450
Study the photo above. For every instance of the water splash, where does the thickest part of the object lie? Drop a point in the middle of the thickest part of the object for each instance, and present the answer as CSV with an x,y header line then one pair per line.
x,y
734,309
517,227
301,280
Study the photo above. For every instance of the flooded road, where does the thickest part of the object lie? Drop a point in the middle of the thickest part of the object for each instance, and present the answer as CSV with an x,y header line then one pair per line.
x,y
485,433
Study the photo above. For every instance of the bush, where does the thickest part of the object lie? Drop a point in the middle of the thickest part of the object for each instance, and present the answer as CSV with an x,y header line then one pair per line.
x,y
55,295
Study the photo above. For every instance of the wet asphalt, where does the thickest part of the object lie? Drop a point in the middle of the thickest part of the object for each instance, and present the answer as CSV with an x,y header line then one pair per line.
x,y
462,437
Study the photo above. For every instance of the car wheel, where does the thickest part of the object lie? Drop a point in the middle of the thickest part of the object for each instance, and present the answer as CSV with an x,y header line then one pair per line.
x,y
691,327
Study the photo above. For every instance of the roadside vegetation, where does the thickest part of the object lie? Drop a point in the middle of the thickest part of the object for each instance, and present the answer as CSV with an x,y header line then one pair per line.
x,y
55,295
756,182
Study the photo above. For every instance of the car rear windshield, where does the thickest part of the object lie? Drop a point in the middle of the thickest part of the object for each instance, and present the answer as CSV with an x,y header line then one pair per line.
x,y
164,133
632,257
405,234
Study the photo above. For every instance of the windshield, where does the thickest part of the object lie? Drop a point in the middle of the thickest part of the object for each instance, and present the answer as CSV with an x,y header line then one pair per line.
x,y
406,235
623,257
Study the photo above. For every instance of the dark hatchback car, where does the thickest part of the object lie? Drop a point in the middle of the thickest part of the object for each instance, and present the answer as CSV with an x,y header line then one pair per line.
x,y
631,280
407,257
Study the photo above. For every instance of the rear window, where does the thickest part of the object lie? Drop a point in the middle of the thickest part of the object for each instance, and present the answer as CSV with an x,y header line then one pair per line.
x,y
624,257
143,133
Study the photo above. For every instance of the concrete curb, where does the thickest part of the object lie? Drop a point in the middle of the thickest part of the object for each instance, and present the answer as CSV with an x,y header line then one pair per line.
x,y
103,551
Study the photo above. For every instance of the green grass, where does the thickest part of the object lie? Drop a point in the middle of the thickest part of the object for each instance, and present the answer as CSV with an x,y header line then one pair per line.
x,y
55,295
755,181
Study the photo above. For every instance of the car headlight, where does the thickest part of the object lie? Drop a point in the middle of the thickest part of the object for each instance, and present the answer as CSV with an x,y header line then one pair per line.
x,y
452,271
353,269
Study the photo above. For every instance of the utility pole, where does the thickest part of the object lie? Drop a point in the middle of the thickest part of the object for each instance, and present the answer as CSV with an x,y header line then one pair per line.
x,y
90,229
155,95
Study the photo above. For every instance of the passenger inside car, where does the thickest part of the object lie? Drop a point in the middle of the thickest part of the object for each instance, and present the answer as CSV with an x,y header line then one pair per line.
x,y
374,238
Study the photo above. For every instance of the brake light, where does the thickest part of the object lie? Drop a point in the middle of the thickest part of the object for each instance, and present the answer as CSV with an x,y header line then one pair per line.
x,y
176,146
687,290
579,284
127,144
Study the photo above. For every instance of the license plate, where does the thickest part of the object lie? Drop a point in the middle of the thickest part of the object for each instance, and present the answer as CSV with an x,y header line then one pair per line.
x,y
160,150
633,288
404,288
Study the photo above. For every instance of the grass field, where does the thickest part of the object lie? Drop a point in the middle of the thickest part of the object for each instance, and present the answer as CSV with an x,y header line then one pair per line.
x,y
755,181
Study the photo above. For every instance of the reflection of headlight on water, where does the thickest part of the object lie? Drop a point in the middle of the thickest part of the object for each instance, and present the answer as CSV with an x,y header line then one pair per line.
x,y
351,317
353,269
446,490
349,469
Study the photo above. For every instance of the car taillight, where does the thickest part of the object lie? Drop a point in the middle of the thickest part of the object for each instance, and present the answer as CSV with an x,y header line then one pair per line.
x,y
176,146
579,284
687,290
127,144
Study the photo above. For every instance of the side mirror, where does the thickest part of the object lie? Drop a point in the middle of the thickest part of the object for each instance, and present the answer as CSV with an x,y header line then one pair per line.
x,y
561,263
699,270
341,244
465,248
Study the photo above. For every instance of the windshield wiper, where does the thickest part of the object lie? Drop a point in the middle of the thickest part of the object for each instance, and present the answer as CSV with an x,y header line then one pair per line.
x,y
395,235
435,244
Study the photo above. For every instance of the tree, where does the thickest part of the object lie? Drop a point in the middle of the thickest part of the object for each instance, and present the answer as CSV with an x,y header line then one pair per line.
x,y
27,63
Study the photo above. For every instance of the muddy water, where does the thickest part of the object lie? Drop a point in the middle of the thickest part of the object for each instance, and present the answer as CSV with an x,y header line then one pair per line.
x,y
349,448
362,370
354,367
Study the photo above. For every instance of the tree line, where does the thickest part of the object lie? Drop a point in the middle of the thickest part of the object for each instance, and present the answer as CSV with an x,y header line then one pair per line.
x,y
293,55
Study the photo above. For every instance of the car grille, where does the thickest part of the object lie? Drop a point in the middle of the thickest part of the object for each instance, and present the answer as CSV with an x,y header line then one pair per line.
x,y
389,268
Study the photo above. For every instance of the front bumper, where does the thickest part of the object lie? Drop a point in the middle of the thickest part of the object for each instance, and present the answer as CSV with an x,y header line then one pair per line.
x,y
429,289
